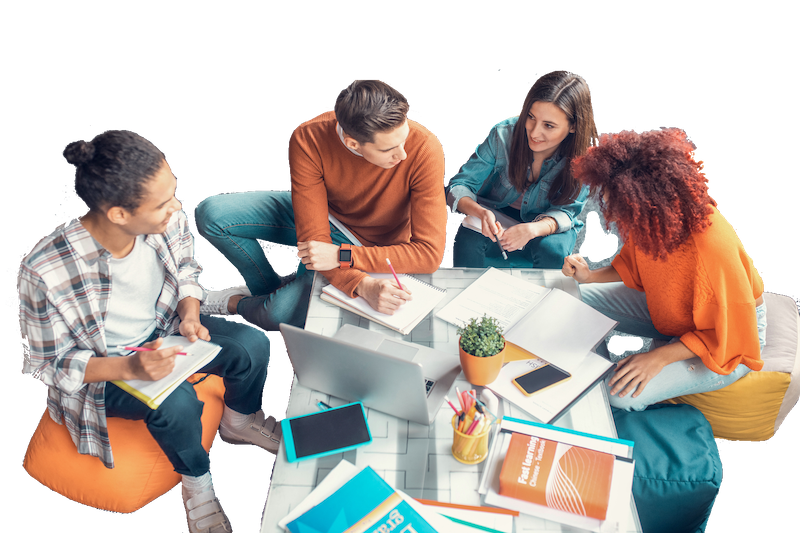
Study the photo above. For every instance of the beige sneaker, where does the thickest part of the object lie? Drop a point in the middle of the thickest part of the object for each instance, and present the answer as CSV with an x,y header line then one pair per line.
x,y
204,514
262,431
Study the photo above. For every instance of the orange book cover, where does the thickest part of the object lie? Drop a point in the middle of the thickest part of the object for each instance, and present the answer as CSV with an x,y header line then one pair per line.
x,y
560,476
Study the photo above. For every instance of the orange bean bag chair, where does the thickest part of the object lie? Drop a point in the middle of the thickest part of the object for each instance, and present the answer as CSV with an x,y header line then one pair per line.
x,y
141,473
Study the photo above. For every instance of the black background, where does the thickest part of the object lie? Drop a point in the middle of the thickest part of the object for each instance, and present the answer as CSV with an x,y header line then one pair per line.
x,y
226,130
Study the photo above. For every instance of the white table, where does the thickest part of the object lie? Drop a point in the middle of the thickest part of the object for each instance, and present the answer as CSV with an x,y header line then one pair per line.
x,y
409,456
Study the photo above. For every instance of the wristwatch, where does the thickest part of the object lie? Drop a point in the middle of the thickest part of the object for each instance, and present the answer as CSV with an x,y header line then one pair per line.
x,y
345,256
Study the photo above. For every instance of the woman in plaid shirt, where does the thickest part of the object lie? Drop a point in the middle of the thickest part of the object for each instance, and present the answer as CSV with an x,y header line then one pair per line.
x,y
124,274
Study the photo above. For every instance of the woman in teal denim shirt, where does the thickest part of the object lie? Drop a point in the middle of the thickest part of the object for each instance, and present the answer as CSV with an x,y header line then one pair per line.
x,y
522,170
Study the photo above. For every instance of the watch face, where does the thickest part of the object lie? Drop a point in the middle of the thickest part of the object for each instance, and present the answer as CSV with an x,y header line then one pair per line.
x,y
345,255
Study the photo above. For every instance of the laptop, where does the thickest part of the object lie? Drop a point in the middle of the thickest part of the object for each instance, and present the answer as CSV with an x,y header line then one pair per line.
x,y
399,378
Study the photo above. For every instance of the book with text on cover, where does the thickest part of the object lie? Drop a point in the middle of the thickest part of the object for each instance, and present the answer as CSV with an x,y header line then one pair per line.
x,y
558,475
364,504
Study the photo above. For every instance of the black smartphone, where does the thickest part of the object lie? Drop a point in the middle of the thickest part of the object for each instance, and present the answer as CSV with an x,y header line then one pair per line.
x,y
326,432
540,378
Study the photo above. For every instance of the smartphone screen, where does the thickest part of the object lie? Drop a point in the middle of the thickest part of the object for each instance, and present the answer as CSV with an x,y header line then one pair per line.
x,y
540,378
329,430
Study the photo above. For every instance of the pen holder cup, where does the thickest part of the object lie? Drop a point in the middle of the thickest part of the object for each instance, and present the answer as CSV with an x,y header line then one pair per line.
x,y
470,449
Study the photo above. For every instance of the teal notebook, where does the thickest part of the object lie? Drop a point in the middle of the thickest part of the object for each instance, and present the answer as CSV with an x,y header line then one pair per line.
x,y
365,504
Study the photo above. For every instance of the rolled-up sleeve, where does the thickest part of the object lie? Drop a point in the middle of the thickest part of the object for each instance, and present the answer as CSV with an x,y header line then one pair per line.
x,y
565,215
473,174
188,268
50,350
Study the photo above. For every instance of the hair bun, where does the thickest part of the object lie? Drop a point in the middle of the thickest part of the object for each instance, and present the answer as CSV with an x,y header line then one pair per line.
x,y
79,152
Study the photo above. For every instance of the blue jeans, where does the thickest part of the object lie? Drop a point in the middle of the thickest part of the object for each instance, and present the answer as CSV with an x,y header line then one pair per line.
x,y
629,307
176,425
234,223
472,249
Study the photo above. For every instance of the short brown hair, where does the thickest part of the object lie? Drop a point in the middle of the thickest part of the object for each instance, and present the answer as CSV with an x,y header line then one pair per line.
x,y
368,107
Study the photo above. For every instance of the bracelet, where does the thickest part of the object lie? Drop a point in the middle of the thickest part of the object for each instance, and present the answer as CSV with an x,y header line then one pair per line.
x,y
551,222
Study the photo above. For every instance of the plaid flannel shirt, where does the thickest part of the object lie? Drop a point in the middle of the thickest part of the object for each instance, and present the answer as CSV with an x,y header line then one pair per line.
x,y
64,288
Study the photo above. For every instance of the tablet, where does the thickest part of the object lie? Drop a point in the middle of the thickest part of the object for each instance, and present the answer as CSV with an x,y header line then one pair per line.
x,y
334,430
540,378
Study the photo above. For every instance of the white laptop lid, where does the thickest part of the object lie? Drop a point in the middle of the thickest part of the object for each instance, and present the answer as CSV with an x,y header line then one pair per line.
x,y
392,382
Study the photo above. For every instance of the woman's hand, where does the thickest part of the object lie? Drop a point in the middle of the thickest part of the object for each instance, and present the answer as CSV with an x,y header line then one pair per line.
x,y
490,227
575,266
635,372
516,237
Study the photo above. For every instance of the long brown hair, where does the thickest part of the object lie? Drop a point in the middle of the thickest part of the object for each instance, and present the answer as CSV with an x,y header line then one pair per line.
x,y
570,93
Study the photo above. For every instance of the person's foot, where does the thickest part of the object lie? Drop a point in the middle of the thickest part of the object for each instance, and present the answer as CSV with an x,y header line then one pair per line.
x,y
260,430
219,302
205,515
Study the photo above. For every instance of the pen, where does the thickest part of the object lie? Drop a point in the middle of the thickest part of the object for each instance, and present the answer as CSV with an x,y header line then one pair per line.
x,y
323,406
451,405
395,274
500,245
139,349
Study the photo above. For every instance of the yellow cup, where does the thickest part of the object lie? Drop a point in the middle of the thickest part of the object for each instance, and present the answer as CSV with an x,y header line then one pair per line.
x,y
470,449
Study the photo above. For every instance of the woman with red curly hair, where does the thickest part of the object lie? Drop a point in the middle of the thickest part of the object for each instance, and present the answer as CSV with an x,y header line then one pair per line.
x,y
682,275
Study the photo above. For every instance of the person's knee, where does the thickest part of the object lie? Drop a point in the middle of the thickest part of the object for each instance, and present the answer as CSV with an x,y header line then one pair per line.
x,y
207,215
181,408
627,403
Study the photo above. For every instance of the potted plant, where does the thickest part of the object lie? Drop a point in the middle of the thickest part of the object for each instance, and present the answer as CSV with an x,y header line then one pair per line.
x,y
480,347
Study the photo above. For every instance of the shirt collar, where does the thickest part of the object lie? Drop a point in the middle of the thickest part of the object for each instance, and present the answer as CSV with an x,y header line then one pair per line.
x,y
340,131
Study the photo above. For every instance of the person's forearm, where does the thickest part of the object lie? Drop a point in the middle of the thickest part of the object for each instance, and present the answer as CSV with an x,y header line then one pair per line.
x,y
468,206
107,369
607,274
189,308
674,352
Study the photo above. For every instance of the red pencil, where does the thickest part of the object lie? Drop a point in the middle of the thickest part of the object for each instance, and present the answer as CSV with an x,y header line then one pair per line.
x,y
395,274
138,349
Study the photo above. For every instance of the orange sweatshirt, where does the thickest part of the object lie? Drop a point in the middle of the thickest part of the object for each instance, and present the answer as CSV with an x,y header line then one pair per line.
x,y
704,293
399,213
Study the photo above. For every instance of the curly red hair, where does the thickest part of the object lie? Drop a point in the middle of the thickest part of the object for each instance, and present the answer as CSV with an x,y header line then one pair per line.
x,y
650,186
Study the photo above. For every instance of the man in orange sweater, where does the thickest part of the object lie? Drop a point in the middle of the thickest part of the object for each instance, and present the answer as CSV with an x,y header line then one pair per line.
x,y
367,185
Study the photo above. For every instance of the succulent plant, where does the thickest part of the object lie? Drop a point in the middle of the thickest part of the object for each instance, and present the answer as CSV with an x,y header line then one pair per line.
x,y
482,337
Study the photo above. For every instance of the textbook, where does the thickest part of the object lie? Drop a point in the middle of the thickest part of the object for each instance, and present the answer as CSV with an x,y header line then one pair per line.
x,y
558,475
551,325
474,223
587,479
424,298
364,504
152,393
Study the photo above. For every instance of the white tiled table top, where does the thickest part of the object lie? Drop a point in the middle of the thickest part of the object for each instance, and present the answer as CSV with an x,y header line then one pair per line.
x,y
412,457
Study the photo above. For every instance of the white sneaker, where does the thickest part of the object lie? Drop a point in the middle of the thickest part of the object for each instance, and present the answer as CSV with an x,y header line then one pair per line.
x,y
216,302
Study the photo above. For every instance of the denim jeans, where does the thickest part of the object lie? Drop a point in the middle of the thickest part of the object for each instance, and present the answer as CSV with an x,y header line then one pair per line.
x,y
176,425
472,249
629,307
234,223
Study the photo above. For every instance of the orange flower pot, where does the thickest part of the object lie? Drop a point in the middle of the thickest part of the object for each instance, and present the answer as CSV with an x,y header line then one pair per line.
x,y
480,370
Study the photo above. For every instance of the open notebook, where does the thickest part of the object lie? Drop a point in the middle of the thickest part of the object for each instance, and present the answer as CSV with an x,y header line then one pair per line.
x,y
152,393
425,297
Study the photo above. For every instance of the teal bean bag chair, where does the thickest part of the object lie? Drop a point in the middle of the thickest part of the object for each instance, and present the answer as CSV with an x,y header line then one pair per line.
x,y
678,471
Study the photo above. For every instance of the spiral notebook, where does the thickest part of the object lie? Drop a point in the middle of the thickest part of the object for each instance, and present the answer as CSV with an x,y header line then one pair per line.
x,y
425,297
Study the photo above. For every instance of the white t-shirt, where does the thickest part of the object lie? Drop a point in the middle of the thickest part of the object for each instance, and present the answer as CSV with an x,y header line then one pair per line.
x,y
136,282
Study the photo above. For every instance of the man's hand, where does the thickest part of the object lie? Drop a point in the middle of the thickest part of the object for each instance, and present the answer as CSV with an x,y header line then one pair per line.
x,y
192,329
152,366
383,295
316,255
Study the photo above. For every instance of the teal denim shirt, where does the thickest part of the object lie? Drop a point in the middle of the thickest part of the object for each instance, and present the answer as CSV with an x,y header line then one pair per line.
x,y
484,178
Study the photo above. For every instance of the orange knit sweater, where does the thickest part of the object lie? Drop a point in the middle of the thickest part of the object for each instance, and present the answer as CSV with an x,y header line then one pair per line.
x,y
399,213
704,293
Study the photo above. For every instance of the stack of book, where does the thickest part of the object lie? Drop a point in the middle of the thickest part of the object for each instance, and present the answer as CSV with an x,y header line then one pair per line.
x,y
562,475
